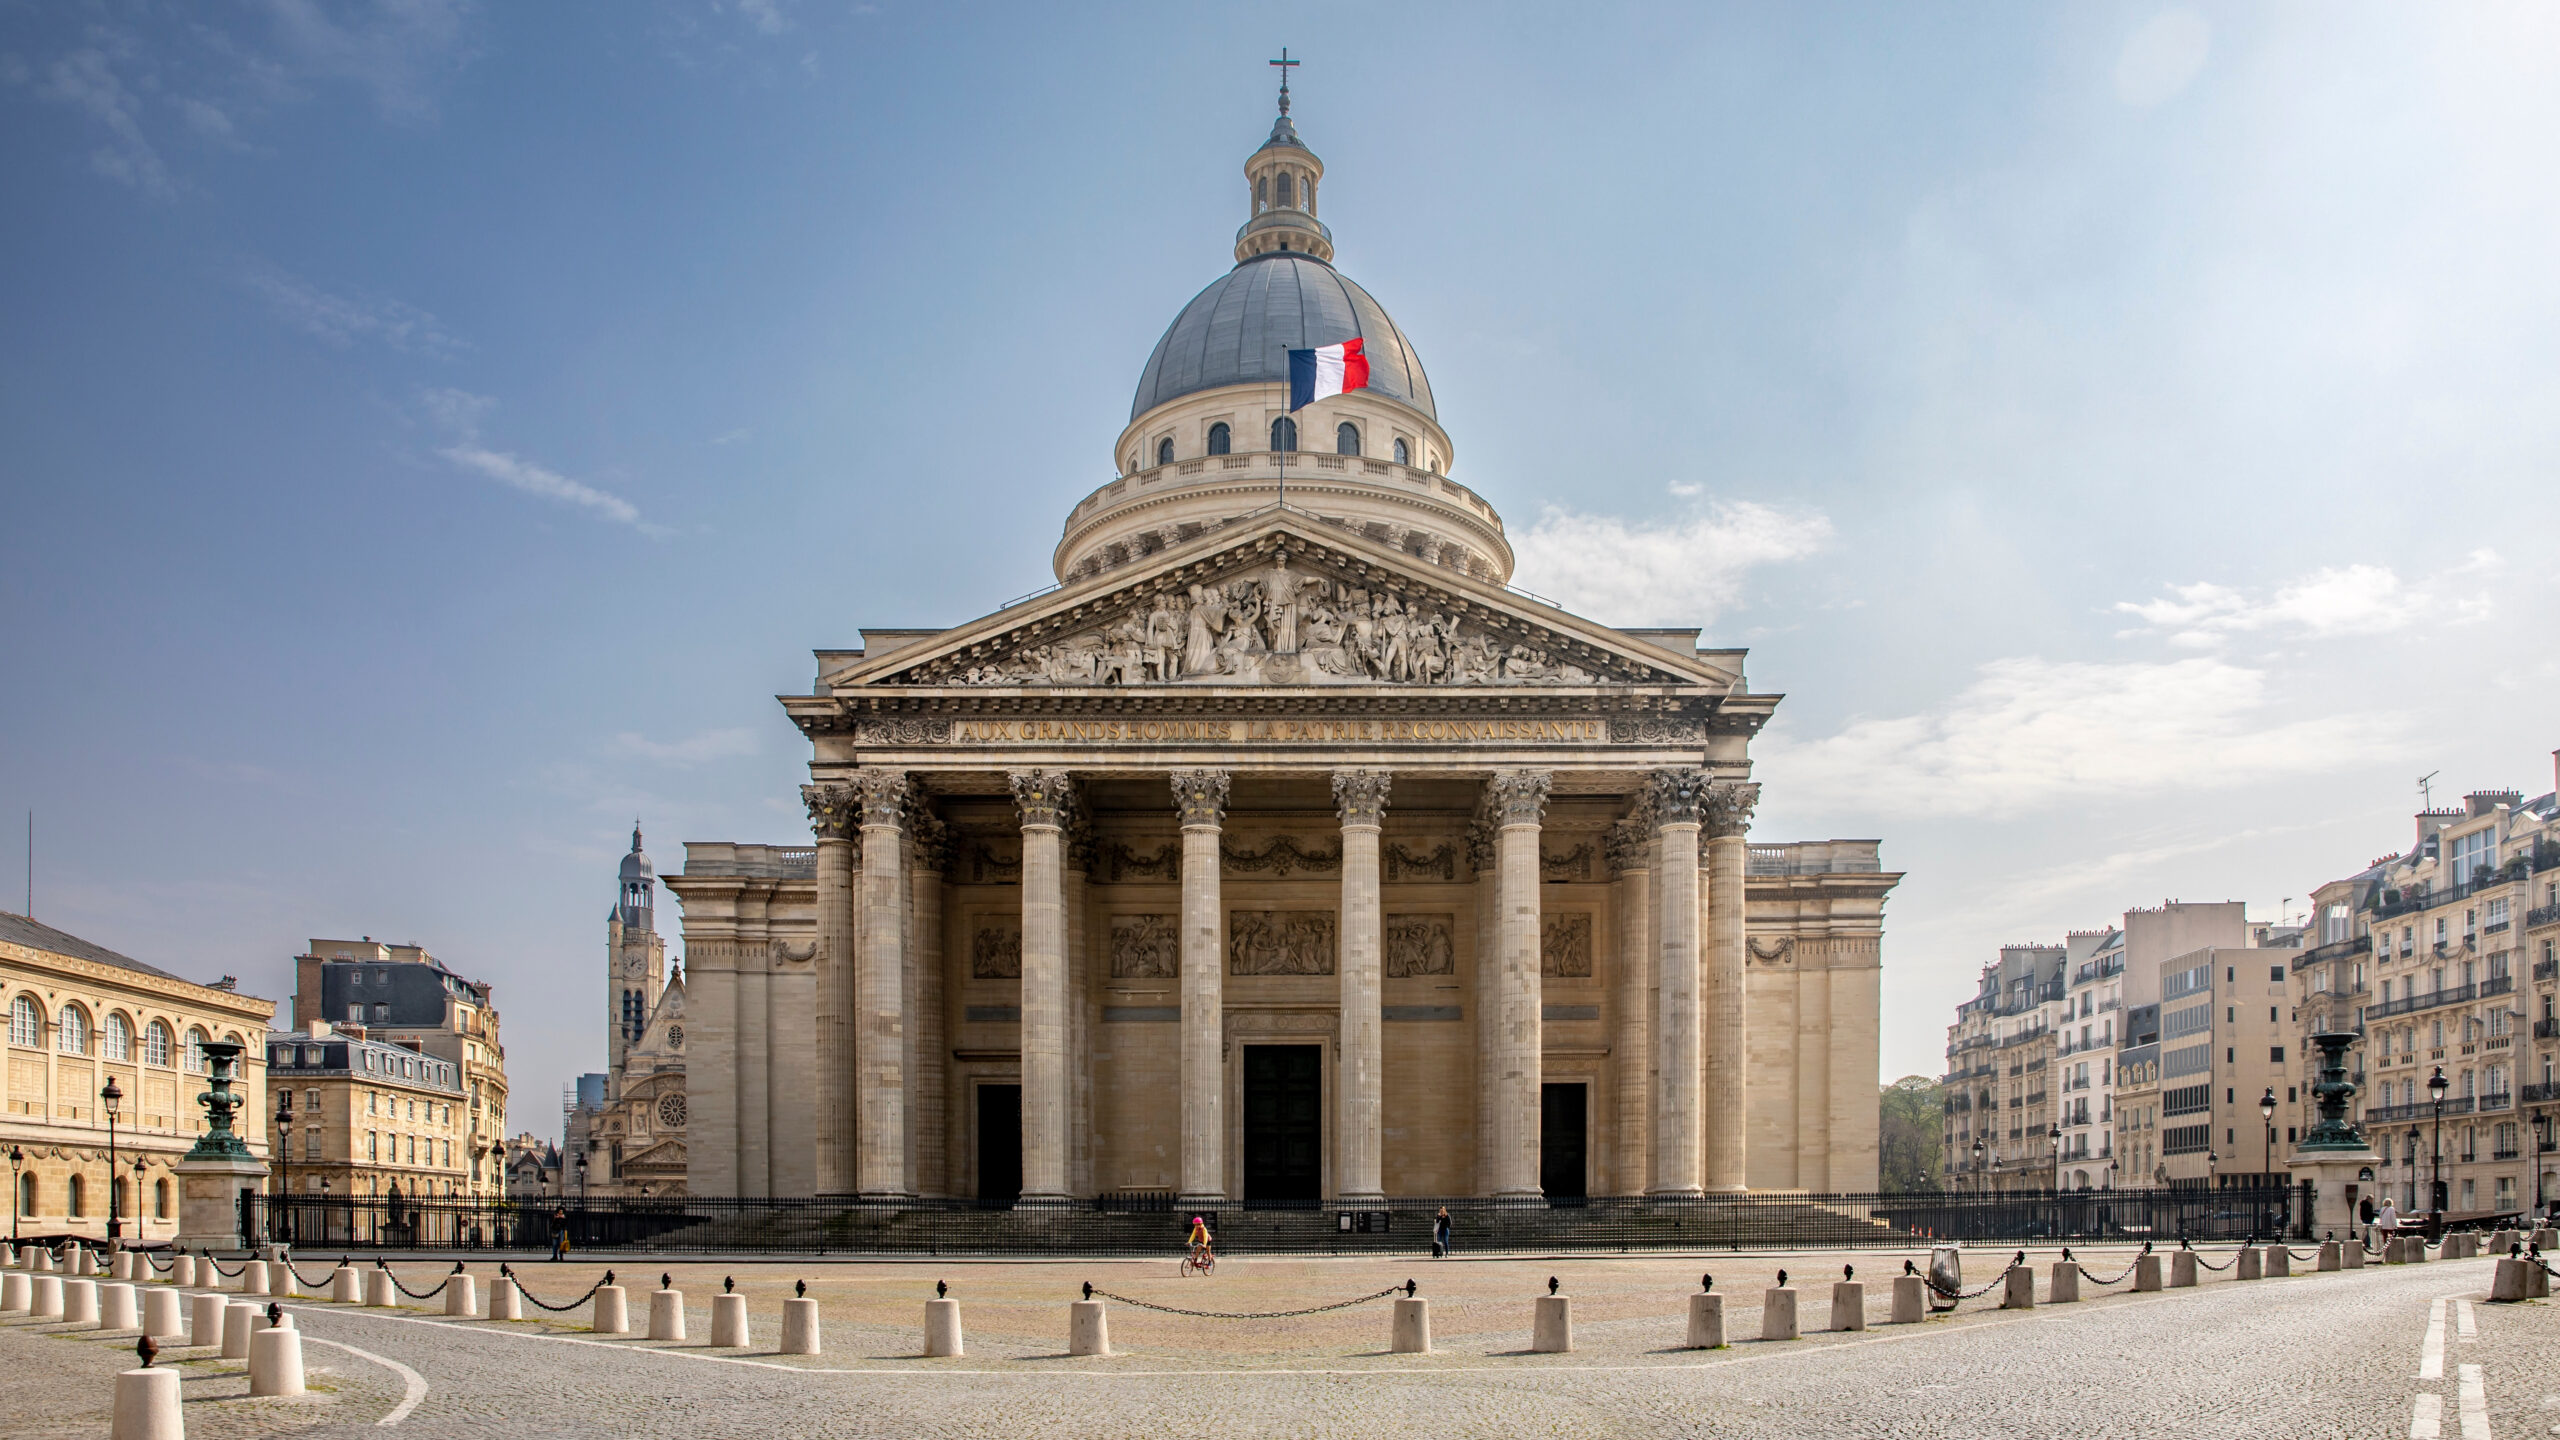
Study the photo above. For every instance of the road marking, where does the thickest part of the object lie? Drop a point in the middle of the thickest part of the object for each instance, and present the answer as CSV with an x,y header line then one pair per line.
x,y
415,1384
2431,1351
2426,1418
2475,1404
2467,1324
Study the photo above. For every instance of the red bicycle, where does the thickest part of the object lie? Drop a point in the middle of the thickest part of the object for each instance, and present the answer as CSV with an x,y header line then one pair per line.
x,y
1198,1260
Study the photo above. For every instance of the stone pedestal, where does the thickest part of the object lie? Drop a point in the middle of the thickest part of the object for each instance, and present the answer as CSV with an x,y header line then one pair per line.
x,y
275,1362
14,1293
238,1321
2018,1288
116,1308
612,1313
164,1315
2247,1265
1778,1313
79,1302
1410,1331
462,1296
2509,1284
346,1285
2062,1284
1088,1328
147,1406
506,1302
1551,1325
2330,1255
2279,1260
666,1315
2336,1192
942,1333
2351,1254
1706,1322
729,1322
1848,1305
381,1291
800,1328
1910,1299
2182,1268
253,1277
209,1192
204,1320
46,1299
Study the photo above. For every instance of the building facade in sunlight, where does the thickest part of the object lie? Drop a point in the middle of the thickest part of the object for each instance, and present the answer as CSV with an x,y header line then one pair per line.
x,y
1280,852
625,1134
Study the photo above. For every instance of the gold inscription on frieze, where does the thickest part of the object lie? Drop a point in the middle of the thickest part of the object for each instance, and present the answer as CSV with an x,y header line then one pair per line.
x,y
1345,731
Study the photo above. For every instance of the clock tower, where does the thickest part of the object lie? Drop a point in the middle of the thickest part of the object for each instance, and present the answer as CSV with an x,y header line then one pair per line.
x,y
635,958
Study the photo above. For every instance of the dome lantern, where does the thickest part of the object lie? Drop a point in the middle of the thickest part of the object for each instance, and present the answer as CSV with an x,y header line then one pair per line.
x,y
1280,188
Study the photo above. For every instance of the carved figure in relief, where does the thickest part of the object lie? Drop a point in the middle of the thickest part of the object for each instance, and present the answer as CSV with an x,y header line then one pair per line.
x,y
1419,945
1565,951
1207,618
1280,942
996,953
1145,947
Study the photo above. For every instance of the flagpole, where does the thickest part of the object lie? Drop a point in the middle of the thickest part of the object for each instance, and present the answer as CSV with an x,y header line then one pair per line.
x,y
1279,456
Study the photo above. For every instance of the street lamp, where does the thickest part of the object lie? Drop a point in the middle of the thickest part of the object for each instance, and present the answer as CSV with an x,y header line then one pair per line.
x,y
113,1099
2267,1114
2436,1086
2053,1142
284,1166
141,1234
17,1192
2415,1135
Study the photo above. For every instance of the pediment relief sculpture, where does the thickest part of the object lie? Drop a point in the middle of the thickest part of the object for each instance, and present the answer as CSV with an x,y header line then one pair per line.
x,y
1565,951
1419,945
1145,947
1280,942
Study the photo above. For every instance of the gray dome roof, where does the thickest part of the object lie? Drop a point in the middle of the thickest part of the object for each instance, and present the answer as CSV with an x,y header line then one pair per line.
x,y
636,866
1239,332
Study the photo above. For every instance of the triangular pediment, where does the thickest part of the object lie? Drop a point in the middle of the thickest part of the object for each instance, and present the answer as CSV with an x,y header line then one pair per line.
x,y
1281,599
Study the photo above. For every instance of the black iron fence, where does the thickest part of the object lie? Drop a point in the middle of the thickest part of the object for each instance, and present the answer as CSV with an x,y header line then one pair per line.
x,y
1143,1225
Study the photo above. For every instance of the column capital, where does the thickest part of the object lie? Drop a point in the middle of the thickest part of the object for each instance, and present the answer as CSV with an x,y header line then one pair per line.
x,y
1083,851
1629,846
885,795
1361,795
1042,796
835,811
931,838
1677,795
1520,796
1729,803
1201,796
1480,828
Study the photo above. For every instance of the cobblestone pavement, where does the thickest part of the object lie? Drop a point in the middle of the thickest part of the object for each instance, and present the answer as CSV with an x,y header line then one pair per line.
x,y
2345,1355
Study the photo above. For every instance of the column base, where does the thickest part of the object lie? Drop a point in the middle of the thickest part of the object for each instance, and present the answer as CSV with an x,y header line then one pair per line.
x,y
1375,1201
1199,1202
1534,1195
1044,1202
1728,1189
884,1197
1675,1192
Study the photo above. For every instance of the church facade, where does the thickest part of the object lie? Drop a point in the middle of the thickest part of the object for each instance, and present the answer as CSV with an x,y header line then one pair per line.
x,y
1281,853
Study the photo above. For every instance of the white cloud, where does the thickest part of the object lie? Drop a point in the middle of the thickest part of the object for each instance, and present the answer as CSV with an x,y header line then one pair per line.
x,y
765,15
1681,571
395,49
460,412
690,751
2160,59
86,80
344,318
2031,734
2342,600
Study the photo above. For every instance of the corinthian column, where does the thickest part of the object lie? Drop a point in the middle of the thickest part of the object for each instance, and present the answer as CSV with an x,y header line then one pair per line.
x,y
1727,818
879,988
1200,796
1043,796
835,816
1520,802
927,1088
1676,1161
1630,850
1361,796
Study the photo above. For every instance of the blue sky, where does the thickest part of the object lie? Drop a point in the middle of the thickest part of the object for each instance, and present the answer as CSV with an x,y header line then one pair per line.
x,y
430,433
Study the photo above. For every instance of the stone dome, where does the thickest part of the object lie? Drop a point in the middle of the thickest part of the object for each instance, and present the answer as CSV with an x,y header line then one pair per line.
x,y
636,866
1241,329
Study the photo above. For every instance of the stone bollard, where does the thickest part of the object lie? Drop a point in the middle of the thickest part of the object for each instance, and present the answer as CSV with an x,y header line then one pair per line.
x,y
79,1302
84,1261
147,1406
462,1296
1778,1313
729,1322
666,1315
2537,1281
2509,1283
275,1361
2062,1285
941,1326
2546,1240
2018,1288
44,1261
239,1322
1848,1304
16,1288
2503,1241
2182,1268
506,1299
1088,1328
382,1290
2249,1264
1706,1322
2329,1255
346,1285
182,1272
121,1267
164,1314
116,1307
1910,1299
800,1326
1551,1325
2279,1261
204,1327
2418,1250
281,1281
47,1301
2351,1254
253,1277
1409,1333
612,1314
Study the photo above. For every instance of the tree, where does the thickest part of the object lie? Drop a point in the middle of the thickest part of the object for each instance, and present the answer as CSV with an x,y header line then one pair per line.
x,y
1910,1134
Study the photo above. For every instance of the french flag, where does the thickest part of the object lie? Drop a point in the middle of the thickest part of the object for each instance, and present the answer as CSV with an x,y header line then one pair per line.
x,y
1326,370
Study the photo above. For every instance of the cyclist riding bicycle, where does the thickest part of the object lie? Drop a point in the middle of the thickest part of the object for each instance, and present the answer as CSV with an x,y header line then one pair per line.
x,y
1198,1244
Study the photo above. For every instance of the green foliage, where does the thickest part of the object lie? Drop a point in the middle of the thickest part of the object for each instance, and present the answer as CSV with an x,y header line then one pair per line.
x,y
1911,1134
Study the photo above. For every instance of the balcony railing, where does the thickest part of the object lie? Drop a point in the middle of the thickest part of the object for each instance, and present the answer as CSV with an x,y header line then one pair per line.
x,y
2546,1093
2541,915
2494,985
2423,1110
2546,970
2546,1029
2500,1100
2334,950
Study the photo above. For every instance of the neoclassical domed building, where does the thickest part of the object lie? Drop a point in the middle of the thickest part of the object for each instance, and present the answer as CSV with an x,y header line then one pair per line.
x,y
1280,853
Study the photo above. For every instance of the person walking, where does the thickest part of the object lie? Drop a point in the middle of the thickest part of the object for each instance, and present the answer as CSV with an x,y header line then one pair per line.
x,y
2386,1226
1440,1234
559,1232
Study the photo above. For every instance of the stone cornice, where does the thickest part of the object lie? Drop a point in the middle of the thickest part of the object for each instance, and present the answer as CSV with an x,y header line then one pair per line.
x,y
70,970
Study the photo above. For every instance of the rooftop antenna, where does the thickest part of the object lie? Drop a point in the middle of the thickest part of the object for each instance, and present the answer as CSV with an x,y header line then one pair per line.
x,y
2427,790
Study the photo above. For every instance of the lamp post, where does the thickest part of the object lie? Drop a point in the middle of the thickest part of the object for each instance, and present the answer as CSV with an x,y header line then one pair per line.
x,y
113,1099
324,1210
2415,1135
2267,1116
141,1233
17,1192
284,1168
2436,1086
2053,1142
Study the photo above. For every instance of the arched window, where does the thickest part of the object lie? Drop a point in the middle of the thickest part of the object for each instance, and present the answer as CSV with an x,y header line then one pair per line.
x,y
1219,443
1284,434
1307,194
1346,439
1262,194
26,1022
119,1036
156,1045
1404,452
79,1197
27,1195
195,1051
1164,451
71,1032
159,1199
1282,189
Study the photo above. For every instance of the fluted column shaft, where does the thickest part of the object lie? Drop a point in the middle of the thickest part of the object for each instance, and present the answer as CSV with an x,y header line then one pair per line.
x,y
880,984
927,1087
1727,821
834,815
1041,796
1361,797
1678,1164
1200,797
1630,845
1520,798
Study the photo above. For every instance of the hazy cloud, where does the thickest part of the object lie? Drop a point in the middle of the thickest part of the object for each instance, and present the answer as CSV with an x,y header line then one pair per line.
x,y
394,49
86,80
2334,601
2162,57
2031,734
1684,570
460,413
344,317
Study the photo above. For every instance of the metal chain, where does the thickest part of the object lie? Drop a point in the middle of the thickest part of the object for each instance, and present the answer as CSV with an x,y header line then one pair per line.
x,y
405,1290
2209,1265
2299,1256
155,1264
1977,1294
296,1271
225,1274
1252,1314
2130,1267
541,1304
